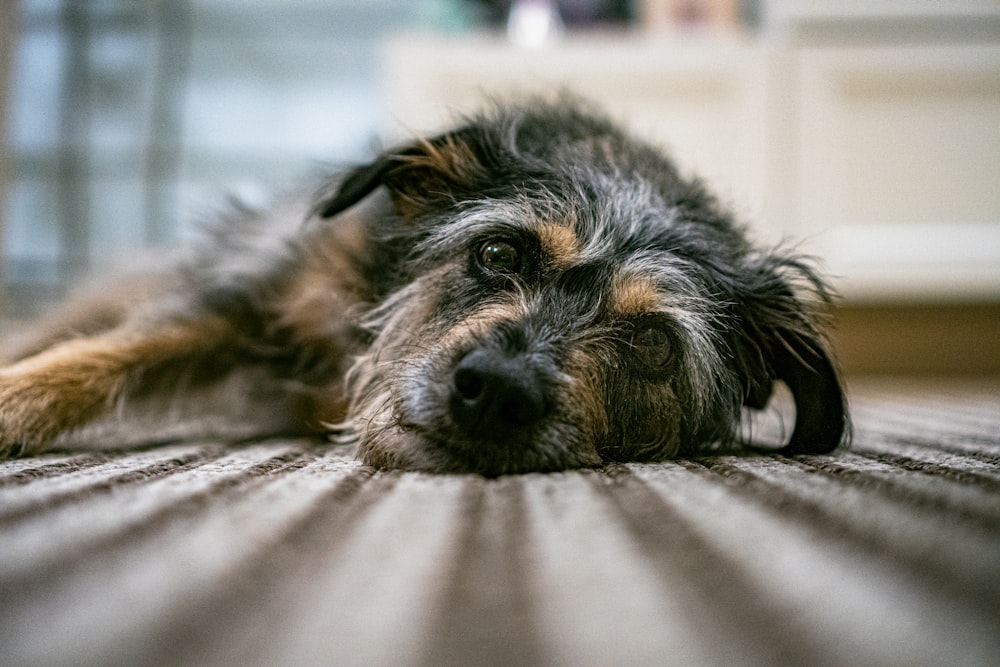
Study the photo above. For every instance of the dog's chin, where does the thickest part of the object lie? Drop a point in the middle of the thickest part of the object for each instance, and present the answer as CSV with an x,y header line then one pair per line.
x,y
424,450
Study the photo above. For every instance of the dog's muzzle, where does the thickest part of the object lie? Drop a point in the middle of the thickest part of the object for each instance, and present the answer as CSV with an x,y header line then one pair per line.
x,y
495,395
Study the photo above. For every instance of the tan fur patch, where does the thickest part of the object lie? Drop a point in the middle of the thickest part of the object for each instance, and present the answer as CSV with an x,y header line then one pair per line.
x,y
633,295
432,172
326,286
77,380
586,395
450,159
560,244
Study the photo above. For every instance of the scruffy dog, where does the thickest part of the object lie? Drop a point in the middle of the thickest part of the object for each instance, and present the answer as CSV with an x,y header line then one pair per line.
x,y
532,291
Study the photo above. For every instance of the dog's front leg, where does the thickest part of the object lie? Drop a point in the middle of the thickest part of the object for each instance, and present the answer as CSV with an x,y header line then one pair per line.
x,y
73,382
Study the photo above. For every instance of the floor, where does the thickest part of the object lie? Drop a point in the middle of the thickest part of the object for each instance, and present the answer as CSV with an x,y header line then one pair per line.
x,y
284,552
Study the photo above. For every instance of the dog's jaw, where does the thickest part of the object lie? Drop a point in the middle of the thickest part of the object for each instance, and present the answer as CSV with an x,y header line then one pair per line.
x,y
416,450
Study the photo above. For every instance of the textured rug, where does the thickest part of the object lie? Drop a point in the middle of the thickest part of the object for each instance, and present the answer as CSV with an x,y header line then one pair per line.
x,y
288,553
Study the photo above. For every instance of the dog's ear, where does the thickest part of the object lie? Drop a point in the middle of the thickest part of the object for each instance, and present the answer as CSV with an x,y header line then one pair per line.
x,y
780,337
805,366
416,175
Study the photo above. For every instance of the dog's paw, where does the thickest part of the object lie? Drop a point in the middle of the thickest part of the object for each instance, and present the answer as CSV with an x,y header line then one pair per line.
x,y
13,449
33,411
25,427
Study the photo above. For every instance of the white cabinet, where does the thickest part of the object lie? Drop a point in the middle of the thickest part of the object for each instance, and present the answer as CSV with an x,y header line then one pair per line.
x,y
898,167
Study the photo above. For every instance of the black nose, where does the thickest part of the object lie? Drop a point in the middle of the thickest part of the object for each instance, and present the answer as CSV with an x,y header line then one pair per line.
x,y
494,394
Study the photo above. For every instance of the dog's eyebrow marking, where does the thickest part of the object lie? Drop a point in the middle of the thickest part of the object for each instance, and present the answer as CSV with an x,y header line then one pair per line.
x,y
633,295
560,243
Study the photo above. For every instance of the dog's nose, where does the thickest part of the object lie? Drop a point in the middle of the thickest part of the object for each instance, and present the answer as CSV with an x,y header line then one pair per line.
x,y
494,394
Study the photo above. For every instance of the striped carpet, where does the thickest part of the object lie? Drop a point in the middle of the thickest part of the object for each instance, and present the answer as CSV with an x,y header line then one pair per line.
x,y
286,553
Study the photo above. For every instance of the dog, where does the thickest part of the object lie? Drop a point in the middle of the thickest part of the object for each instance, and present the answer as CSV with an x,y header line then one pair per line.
x,y
533,290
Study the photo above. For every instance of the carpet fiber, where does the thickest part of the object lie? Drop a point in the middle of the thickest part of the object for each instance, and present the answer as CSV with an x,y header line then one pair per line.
x,y
284,552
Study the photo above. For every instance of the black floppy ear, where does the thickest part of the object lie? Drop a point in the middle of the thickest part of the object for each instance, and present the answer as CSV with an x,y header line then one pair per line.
x,y
804,365
416,175
781,338
356,185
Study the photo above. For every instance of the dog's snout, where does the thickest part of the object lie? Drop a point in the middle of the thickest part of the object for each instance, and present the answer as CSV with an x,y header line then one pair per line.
x,y
494,394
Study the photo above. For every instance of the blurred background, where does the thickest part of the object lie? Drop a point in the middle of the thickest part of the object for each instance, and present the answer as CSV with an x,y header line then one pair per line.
x,y
868,131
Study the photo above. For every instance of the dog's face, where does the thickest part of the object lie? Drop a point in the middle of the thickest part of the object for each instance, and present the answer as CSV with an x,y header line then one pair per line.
x,y
565,299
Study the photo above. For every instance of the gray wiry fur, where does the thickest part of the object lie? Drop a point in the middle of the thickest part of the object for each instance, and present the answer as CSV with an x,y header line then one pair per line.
x,y
534,290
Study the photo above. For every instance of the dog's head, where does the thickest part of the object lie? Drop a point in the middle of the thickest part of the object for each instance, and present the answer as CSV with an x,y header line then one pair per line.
x,y
559,296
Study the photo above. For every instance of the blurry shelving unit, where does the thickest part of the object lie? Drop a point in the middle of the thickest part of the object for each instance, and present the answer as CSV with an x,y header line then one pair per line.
x,y
8,23
129,122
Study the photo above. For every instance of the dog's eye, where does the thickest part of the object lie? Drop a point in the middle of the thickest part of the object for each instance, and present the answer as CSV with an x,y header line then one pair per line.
x,y
500,257
653,346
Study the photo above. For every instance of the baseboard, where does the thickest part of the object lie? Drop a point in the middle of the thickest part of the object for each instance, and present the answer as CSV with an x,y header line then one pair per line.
x,y
919,339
